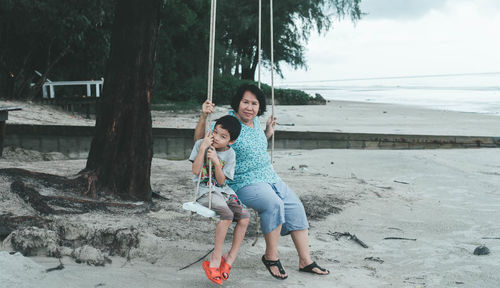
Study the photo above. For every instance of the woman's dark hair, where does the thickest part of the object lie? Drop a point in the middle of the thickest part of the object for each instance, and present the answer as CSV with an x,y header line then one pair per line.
x,y
235,102
231,124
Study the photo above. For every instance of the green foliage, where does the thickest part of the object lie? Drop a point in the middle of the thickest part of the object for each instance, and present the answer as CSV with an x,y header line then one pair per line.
x,y
292,97
194,92
70,40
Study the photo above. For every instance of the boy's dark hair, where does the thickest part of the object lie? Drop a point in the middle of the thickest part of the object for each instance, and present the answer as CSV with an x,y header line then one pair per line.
x,y
235,102
231,124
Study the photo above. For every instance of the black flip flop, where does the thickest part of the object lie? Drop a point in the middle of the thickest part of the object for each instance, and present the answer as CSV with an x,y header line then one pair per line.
x,y
276,263
309,269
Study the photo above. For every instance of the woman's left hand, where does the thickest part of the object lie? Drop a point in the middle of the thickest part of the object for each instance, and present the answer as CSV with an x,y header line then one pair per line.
x,y
271,122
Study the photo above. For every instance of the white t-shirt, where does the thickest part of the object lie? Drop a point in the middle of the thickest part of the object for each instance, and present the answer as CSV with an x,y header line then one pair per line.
x,y
228,162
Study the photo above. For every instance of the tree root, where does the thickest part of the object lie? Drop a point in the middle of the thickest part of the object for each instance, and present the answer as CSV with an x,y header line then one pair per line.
x,y
82,185
71,205
9,223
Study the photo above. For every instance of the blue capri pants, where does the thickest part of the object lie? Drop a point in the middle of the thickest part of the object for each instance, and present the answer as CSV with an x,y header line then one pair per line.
x,y
276,204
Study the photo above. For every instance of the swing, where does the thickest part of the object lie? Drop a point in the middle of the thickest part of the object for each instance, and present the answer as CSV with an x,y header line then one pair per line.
x,y
194,207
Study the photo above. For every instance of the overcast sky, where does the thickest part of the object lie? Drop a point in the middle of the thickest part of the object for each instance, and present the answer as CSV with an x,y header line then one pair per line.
x,y
406,37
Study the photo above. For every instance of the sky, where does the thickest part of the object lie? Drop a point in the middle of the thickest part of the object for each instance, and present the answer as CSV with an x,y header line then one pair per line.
x,y
404,38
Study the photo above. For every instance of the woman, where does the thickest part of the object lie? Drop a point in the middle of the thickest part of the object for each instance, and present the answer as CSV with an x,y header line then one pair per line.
x,y
259,187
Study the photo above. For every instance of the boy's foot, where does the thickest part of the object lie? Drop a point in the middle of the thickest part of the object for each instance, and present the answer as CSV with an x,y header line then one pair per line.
x,y
224,269
213,274
214,261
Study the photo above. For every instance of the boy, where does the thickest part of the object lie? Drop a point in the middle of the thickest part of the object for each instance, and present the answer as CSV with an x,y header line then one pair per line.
x,y
215,147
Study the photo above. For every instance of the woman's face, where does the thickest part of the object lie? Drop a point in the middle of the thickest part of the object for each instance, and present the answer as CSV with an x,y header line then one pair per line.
x,y
249,107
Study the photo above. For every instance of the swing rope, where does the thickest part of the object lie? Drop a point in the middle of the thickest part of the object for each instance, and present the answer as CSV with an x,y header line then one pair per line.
x,y
210,88
272,74
211,52
210,77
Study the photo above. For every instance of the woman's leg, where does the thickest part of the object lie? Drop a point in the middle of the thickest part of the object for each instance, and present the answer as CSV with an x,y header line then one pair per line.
x,y
262,198
296,224
272,250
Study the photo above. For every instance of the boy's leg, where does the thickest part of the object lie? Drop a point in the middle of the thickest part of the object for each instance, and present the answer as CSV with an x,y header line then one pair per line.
x,y
220,207
220,236
242,217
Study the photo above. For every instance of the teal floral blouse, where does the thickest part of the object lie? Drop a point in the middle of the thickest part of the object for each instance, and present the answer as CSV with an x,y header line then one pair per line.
x,y
253,164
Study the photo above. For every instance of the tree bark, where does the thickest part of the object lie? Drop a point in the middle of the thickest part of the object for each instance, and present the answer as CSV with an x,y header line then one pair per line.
x,y
119,161
248,71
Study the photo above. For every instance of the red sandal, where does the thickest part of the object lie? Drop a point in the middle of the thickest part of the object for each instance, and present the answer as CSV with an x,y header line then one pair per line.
x,y
213,273
224,269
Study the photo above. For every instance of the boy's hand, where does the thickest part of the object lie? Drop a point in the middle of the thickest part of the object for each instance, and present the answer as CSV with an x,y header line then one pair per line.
x,y
207,141
207,108
212,155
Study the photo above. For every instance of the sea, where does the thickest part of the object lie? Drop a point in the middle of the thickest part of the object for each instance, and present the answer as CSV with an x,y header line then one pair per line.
x,y
475,93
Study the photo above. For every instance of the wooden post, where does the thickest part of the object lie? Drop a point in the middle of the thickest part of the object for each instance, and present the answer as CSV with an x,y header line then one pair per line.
x,y
2,135
4,115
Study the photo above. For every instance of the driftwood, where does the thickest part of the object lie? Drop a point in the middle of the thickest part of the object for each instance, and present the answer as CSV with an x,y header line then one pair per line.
x,y
202,257
399,238
349,236
375,259
58,267
158,195
496,238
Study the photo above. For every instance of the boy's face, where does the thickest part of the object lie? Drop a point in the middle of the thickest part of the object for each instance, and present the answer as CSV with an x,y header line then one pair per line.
x,y
221,137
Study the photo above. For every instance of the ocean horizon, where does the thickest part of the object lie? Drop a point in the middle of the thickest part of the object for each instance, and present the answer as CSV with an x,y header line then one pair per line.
x,y
476,93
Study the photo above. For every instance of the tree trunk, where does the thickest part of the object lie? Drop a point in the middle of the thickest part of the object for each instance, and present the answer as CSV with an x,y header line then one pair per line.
x,y
119,161
249,66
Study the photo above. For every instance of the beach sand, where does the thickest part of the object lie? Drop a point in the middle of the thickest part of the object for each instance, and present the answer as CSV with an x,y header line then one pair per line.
x,y
335,116
447,200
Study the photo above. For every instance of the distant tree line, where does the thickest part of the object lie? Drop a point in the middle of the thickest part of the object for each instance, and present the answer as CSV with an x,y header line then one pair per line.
x,y
70,40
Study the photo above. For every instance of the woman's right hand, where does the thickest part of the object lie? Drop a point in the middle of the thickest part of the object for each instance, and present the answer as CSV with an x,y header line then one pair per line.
x,y
207,108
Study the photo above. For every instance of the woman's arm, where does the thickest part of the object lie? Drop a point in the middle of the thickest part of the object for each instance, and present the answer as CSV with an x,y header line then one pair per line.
x,y
206,109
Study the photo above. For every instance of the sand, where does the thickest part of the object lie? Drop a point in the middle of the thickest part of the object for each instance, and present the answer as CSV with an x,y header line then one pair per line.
x,y
336,116
448,200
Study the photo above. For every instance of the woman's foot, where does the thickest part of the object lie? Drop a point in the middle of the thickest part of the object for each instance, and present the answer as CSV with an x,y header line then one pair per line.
x,y
275,268
314,268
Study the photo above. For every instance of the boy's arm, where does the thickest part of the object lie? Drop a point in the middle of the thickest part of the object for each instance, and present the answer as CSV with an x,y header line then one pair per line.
x,y
206,109
200,157
198,161
219,174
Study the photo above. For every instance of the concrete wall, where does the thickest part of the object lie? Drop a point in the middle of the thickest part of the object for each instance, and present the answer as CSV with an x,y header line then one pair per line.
x,y
170,143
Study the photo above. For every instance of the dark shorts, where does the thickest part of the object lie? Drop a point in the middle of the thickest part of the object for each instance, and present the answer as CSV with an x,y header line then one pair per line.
x,y
228,207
